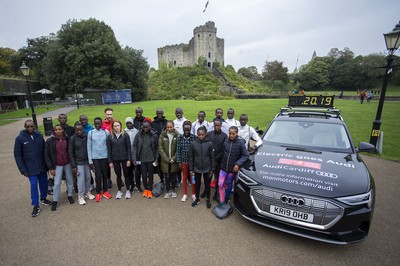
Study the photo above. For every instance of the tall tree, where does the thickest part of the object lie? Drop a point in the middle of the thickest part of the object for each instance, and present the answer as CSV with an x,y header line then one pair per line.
x,y
87,54
275,70
314,75
33,55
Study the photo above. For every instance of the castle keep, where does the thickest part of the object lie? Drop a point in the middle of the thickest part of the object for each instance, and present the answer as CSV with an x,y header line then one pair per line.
x,y
204,44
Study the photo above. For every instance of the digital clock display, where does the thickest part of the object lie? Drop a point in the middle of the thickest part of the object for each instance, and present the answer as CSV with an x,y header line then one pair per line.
x,y
311,100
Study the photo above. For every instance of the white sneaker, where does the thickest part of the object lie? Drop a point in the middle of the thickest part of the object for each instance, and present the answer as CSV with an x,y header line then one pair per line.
x,y
193,197
128,194
173,194
81,200
167,195
119,195
90,196
184,198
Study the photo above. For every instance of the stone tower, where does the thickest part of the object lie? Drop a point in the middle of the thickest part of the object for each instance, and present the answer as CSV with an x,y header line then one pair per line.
x,y
204,44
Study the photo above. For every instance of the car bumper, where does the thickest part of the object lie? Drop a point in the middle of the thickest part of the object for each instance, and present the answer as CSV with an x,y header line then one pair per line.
x,y
349,225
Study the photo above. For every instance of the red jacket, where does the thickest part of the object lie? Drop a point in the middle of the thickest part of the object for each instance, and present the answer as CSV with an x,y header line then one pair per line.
x,y
107,125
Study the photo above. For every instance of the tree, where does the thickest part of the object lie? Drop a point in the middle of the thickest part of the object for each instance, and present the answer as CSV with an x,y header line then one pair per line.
x,y
33,55
275,71
5,61
346,72
314,75
250,72
86,54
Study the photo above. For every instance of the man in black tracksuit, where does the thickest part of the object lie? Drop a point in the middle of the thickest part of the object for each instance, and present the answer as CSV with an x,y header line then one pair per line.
x,y
217,137
145,151
158,125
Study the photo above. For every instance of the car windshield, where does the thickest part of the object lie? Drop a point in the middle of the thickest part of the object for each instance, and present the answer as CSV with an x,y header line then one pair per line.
x,y
313,135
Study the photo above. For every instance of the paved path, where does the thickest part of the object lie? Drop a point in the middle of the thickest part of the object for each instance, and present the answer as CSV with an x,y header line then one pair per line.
x,y
167,232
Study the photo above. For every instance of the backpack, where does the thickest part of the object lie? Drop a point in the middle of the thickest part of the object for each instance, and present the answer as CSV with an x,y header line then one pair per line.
x,y
158,189
223,211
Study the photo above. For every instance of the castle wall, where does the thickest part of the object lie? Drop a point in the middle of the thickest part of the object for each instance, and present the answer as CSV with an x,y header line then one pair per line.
x,y
204,43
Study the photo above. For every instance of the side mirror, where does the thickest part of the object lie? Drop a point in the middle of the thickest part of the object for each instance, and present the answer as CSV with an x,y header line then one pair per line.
x,y
365,147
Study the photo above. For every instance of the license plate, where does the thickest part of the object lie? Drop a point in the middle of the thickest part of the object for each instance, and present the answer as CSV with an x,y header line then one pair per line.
x,y
302,216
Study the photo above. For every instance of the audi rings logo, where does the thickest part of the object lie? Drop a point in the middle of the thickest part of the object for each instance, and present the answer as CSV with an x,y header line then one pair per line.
x,y
293,201
326,174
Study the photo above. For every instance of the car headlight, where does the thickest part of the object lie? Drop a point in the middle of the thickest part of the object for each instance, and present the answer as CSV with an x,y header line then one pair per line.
x,y
366,198
246,179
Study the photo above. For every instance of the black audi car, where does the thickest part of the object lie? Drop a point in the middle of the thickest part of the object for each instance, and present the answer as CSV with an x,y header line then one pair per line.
x,y
307,178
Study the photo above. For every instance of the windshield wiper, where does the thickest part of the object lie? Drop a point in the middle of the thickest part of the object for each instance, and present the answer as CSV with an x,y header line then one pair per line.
x,y
290,148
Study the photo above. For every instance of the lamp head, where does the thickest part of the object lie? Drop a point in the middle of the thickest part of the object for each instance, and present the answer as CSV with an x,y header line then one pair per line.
x,y
392,39
24,69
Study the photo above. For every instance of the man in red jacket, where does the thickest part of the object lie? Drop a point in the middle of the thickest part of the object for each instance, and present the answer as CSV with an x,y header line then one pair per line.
x,y
107,122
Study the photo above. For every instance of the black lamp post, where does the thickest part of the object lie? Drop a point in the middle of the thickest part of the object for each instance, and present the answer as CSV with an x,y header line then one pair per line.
x,y
25,72
392,40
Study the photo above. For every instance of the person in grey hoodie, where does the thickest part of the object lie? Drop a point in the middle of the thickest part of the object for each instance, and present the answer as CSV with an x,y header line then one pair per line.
x,y
202,163
131,131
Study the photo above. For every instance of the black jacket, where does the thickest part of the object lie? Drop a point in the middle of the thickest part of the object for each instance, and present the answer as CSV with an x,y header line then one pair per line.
x,y
137,144
235,152
201,156
159,125
119,149
218,140
77,150
138,122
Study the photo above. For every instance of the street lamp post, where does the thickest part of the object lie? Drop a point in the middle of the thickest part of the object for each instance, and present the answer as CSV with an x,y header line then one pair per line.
x,y
392,40
25,71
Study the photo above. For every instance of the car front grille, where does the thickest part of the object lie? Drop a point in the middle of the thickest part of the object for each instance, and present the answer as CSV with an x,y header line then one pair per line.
x,y
326,213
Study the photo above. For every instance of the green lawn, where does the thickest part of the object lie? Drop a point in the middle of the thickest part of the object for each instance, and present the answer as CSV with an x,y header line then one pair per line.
x,y
9,117
358,117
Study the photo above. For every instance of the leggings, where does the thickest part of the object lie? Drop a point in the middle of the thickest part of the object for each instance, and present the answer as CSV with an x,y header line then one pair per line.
x,y
207,180
117,169
225,181
101,173
147,169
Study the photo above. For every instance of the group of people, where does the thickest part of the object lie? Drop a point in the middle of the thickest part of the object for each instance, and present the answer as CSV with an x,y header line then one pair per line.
x,y
179,151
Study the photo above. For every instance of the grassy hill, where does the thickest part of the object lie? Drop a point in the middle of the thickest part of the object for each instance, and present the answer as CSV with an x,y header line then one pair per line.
x,y
198,83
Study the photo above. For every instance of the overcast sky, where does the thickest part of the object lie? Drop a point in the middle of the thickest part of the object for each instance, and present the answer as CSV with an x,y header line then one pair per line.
x,y
254,30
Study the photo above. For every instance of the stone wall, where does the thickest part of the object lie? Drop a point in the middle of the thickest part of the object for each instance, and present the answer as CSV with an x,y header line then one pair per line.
x,y
204,43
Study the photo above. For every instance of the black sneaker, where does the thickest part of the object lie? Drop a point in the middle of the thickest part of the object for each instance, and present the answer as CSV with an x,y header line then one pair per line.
x,y
70,200
140,189
54,206
195,203
109,183
36,211
208,204
45,202
203,195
